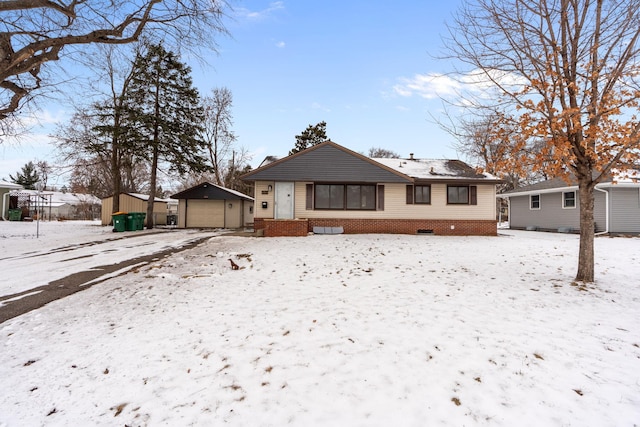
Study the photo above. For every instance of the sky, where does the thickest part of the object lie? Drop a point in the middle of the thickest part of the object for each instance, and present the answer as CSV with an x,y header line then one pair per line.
x,y
364,67
368,329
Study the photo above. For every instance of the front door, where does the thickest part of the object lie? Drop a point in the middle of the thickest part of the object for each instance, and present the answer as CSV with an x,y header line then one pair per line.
x,y
284,200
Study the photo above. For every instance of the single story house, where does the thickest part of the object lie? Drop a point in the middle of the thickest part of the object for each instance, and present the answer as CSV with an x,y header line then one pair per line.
x,y
330,189
208,205
5,188
136,202
54,205
554,205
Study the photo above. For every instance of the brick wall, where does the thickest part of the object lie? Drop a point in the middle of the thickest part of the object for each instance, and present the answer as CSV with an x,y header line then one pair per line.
x,y
411,226
285,227
390,226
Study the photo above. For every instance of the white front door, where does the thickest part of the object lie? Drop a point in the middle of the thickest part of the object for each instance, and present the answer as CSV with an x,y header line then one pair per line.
x,y
284,200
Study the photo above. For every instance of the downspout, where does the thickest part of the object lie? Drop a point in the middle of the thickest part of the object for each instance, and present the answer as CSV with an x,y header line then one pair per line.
x,y
4,204
606,212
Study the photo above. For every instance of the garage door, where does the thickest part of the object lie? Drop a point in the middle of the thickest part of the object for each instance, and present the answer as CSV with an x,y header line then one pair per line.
x,y
205,213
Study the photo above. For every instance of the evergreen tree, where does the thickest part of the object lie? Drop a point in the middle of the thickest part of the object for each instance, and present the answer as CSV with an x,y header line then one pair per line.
x,y
312,135
168,118
27,177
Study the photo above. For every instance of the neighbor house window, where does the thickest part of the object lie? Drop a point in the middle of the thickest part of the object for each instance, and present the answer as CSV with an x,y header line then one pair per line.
x,y
462,195
423,194
534,201
569,199
341,196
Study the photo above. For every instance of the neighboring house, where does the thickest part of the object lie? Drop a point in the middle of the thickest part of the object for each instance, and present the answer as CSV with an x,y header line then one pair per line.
x,y
55,205
554,205
329,189
135,202
208,205
5,188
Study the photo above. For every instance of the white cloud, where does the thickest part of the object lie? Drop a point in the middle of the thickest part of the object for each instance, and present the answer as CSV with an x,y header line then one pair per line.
x,y
280,44
260,14
318,106
437,85
427,86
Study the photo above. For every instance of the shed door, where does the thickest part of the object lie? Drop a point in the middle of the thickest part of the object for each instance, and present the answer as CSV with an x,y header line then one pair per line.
x,y
205,213
284,200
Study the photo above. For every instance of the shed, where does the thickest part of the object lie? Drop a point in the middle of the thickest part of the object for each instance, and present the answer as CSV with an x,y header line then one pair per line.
x,y
208,205
135,202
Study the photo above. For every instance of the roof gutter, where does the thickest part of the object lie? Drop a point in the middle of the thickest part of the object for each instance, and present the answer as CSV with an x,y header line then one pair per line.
x,y
606,211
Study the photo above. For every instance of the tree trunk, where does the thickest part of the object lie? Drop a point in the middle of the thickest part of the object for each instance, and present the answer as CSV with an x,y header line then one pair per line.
x,y
152,190
115,173
586,255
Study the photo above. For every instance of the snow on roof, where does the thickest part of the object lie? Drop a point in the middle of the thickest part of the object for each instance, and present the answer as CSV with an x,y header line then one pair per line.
x,y
58,197
145,197
11,185
433,168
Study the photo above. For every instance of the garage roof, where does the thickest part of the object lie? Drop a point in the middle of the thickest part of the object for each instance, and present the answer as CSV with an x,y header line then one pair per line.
x,y
207,190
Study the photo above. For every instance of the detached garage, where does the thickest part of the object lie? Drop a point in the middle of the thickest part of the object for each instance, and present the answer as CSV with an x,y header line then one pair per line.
x,y
211,206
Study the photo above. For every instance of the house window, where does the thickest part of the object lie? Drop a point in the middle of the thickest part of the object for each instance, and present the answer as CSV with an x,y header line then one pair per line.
x,y
329,196
423,194
340,196
534,201
569,199
462,195
361,197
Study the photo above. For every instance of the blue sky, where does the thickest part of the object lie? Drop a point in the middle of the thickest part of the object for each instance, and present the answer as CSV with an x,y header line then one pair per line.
x,y
363,66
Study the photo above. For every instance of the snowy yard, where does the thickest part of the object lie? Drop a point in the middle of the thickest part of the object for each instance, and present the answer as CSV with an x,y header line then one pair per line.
x,y
344,330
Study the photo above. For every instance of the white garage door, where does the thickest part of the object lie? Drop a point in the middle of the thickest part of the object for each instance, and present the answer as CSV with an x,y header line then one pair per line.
x,y
205,213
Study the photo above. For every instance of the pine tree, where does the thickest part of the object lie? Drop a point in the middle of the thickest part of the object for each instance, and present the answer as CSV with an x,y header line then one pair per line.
x,y
312,135
27,177
168,118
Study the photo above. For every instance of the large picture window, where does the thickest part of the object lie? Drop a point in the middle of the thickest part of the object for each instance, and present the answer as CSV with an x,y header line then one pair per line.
x,y
341,196
361,196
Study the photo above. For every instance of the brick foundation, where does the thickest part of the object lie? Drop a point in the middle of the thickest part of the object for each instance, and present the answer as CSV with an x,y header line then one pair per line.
x,y
283,227
300,227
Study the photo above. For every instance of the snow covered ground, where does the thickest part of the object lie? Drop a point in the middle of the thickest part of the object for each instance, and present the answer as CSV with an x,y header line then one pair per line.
x,y
343,330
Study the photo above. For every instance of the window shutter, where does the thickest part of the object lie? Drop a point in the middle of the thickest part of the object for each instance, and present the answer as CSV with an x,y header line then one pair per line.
x,y
409,194
380,197
473,195
309,206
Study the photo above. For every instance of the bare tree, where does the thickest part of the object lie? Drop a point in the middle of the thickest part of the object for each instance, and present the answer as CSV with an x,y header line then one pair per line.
x,y
377,152
567,74
217,131
34,33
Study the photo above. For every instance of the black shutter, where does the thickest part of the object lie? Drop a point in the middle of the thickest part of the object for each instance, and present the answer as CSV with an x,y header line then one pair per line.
x,y
473,195
409,194
380,197
309,206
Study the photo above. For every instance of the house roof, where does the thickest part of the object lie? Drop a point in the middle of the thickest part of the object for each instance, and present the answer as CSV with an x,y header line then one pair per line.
x,y
617,178
58,197
207,190
10,185
435,169
330,162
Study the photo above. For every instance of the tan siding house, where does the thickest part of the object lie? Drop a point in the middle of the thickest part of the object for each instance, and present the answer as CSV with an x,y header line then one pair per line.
x,y
330,188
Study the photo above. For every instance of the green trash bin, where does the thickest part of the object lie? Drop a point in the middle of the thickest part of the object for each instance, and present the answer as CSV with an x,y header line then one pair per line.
x,y
130,222
15,214
119,219
141,217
